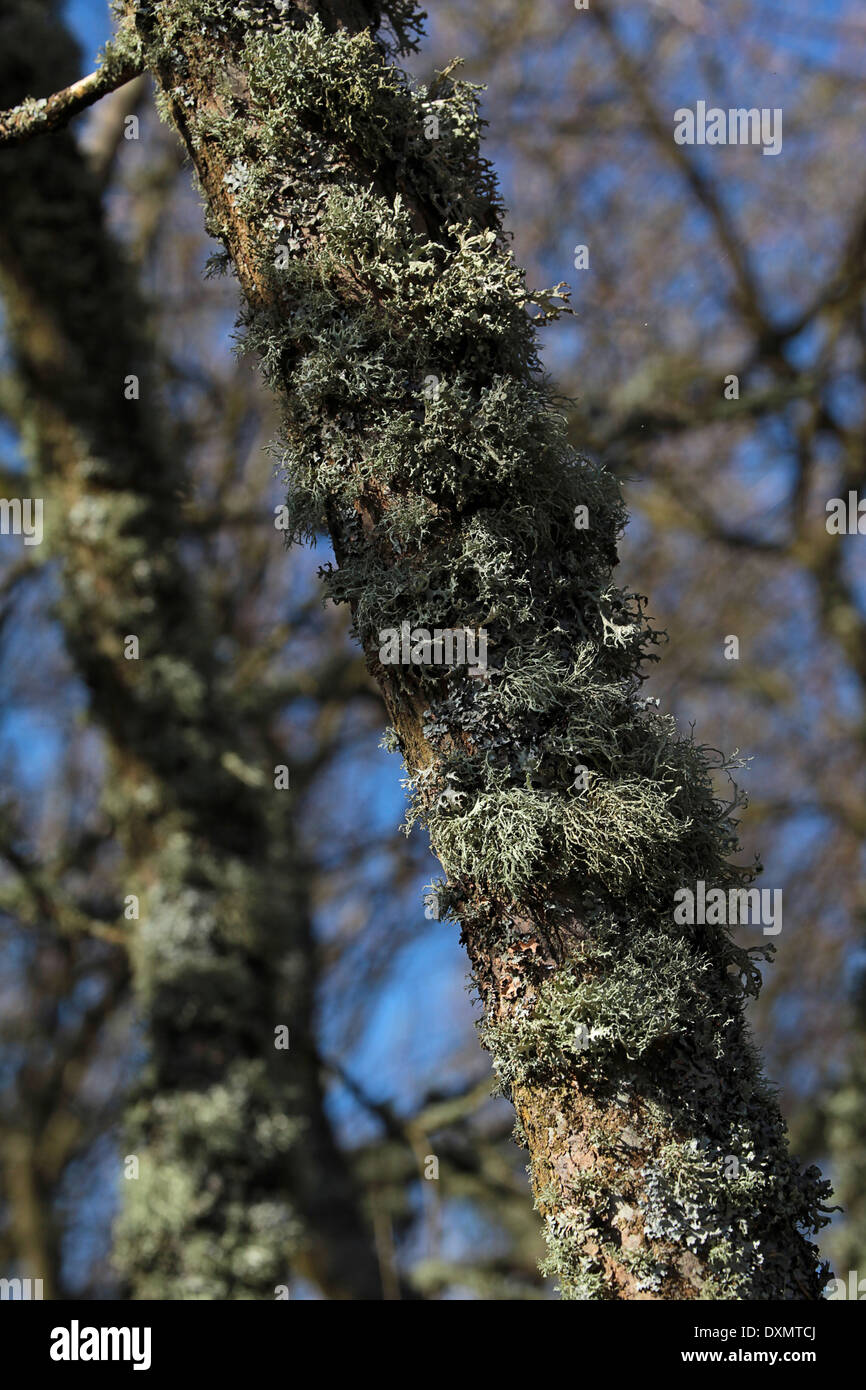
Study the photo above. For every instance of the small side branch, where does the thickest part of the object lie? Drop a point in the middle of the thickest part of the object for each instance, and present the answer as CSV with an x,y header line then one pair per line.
x,y
37,115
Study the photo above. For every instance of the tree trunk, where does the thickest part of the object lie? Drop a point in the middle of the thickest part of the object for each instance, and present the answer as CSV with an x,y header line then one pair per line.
x,y
363,224
240,1180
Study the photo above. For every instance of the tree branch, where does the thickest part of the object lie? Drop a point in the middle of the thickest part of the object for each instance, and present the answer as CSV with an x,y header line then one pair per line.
x,y
37,115
629,1097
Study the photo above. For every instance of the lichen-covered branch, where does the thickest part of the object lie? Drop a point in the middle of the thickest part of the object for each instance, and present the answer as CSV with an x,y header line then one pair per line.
x,y
239,1182
37,115
380,293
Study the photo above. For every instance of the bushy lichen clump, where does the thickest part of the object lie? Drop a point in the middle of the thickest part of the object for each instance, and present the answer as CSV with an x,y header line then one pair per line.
x,y
390,317
207,1213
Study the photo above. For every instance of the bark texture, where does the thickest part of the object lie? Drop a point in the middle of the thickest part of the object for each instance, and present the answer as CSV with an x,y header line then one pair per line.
x,y
240,1180
364,226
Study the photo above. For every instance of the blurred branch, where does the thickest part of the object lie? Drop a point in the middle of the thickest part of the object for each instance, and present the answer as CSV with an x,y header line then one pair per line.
x,y
105,131
37,115
749,294
46,904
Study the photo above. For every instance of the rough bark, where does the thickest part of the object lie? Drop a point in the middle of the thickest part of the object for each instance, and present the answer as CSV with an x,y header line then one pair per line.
x,y
240,1180
363,224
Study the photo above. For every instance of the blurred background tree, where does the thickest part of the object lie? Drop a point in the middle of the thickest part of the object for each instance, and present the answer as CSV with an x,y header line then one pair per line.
x,y
702,264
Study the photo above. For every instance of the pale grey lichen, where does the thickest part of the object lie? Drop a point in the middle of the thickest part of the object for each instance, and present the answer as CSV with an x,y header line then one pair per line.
x,y
454,506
